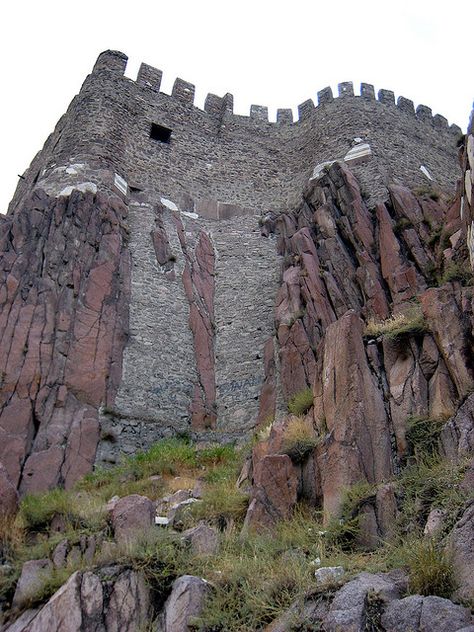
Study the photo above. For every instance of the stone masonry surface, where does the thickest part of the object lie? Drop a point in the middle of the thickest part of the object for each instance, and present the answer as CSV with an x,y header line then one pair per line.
x,y
196,349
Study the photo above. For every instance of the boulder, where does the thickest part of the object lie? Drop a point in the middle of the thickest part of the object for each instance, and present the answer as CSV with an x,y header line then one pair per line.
x,y
434,523
274,493
118,602
424,614
202,539
328,575
34,574
185,602
347,611
131,516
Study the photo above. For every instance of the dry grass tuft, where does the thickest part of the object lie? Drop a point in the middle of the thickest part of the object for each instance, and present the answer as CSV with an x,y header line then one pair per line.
x,y
410,322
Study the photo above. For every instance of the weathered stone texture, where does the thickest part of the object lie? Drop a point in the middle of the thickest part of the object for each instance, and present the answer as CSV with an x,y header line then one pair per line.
x,y
214,155
114,600
64,299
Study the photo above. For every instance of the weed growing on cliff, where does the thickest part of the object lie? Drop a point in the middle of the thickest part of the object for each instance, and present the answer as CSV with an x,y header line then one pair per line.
x,y
342,531
402,224
430,569
427,192
299,439
301,402
455,271
430,483
222,503
422,436
37,510
399,325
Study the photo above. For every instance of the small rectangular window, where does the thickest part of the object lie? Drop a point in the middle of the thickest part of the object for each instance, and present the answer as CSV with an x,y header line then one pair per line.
x,y
158,132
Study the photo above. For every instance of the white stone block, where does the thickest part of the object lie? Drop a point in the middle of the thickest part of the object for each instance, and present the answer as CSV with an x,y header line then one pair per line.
x,y
169,204
120,184
358,154
328,574
318,170
83,187
425,172
468,186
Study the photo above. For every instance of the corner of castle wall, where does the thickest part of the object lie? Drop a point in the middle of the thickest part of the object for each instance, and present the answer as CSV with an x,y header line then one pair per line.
x,y
112,61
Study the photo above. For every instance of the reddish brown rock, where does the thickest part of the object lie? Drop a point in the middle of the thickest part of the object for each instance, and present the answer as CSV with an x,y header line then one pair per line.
x,y
8,495
274,493
63,296
450,326
267,401
198,281
131,516
399,274
348,402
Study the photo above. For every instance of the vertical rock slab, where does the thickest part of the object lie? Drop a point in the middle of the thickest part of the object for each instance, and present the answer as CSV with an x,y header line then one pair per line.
x,y
63,296
186,601
274,492
349,403
450,323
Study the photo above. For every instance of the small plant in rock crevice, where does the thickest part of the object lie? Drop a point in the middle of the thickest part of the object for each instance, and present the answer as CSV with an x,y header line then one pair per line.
x,y
301,402
299,439
399,325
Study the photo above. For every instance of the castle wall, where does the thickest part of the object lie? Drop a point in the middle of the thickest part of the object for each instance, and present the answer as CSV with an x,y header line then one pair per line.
x,y
202,291
216,155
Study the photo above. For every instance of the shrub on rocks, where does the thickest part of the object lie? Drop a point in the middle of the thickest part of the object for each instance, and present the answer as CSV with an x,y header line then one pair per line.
x,y
301,402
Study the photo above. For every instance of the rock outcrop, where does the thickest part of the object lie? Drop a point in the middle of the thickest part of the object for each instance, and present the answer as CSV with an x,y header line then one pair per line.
x,y
64,279
348,274
115,600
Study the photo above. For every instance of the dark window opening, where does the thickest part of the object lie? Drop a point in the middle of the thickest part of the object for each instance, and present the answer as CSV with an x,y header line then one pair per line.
x,y
158,132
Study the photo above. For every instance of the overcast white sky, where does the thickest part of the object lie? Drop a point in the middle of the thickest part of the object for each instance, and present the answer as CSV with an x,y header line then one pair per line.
x,y
266,52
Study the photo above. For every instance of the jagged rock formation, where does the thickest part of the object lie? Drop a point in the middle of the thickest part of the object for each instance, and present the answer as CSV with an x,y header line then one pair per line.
x,y
345,265
65,274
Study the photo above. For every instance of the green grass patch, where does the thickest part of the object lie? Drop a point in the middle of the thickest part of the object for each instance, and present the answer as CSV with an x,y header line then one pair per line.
x,y
422,435
301,402
430,569
456,271
427,484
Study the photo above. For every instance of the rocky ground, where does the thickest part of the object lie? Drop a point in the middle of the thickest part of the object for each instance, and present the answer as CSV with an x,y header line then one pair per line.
x,y
214,538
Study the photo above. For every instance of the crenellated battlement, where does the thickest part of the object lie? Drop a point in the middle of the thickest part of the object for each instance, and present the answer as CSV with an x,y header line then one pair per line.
x,y
222,107
130,131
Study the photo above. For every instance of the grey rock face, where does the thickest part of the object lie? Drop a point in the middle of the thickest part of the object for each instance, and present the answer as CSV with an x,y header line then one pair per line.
x,y
87,603
461,546
203,539
347,611
132,515
34,573
424,614
186,601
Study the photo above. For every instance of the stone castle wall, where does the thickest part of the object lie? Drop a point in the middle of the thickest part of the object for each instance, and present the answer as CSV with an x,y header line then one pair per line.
x,y
215,155
201,316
